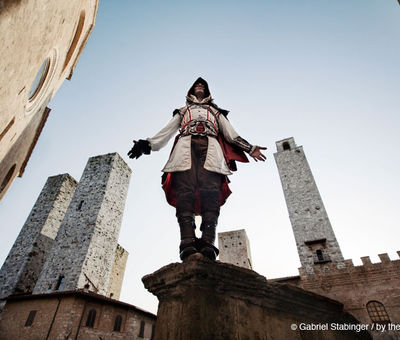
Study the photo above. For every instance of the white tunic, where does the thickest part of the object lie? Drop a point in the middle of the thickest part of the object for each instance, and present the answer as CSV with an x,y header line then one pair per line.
x,y
180,158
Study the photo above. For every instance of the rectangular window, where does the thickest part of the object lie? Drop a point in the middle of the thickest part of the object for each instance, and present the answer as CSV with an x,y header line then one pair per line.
x,y
141,330
60,282
31,317
80,205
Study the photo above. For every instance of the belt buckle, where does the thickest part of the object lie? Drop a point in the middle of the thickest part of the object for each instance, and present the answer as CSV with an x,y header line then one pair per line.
x,y
200,128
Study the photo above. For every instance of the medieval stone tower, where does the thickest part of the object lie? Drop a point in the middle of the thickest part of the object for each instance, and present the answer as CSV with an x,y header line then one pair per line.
x,y
25,261
85,248
69,240
315,239
234,248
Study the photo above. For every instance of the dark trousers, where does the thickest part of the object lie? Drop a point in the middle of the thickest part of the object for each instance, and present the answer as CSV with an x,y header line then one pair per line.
x,y
207,183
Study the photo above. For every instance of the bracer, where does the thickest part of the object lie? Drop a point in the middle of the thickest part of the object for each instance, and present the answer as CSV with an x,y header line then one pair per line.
x,y
243,144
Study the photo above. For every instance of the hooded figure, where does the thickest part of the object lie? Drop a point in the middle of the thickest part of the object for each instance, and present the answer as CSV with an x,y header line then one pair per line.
x,y
195,176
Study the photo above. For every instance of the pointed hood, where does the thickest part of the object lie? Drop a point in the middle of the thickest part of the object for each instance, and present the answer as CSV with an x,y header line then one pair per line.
x,y
191,98
201,81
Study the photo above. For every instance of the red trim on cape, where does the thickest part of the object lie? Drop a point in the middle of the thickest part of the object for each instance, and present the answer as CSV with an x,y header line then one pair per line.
x,y
231,153
170,192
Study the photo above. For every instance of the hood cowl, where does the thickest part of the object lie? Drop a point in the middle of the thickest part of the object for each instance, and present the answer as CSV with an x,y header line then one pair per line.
x,y
201,81
192,99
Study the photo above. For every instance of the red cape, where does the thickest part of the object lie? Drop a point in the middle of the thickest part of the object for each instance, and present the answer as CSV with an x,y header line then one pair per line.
x,y
231,153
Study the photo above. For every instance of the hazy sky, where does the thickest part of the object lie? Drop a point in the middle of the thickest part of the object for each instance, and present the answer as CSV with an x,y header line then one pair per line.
x,y
324,72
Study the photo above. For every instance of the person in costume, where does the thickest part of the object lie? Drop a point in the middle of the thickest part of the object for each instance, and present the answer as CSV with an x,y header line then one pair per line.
x,y
195,176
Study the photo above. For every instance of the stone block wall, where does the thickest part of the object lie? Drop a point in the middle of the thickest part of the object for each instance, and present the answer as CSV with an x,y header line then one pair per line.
x,y
201,299
64,315
118,272
315,239
85,247
25,261
234,248
355,286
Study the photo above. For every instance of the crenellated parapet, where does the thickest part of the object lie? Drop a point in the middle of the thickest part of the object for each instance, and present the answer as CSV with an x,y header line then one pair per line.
x,y
391,267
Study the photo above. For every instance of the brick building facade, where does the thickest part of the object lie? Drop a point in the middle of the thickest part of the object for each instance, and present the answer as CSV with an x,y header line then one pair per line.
x,y
74,315
64,272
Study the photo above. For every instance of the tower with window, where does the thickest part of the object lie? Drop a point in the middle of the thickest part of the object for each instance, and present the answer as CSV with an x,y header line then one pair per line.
x,y
315,239
234,248
26,258
86,251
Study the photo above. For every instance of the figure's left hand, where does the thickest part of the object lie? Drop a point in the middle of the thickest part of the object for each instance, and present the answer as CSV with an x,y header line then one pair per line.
x,y
257,154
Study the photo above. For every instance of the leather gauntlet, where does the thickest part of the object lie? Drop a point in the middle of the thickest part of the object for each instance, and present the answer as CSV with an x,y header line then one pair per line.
x,y
141,147
243,144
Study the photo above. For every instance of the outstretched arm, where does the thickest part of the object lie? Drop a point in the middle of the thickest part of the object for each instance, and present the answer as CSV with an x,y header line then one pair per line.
x,y
233,137
158,141
164,135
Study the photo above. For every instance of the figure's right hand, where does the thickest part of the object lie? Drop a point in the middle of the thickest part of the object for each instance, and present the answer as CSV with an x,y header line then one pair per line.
x,y
139,148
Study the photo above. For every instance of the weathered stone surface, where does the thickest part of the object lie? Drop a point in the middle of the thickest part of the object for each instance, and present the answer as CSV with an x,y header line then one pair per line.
x,y
356,286
32,32
315,239
201,299
85,246
25,261
63,316
234,248
118,272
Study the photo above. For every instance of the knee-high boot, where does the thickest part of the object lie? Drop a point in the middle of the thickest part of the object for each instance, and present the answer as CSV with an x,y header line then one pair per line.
x,y
209,213
207,248
188,237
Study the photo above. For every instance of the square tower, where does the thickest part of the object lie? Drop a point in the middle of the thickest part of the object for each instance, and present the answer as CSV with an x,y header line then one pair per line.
x,y
315,239
85,247
234,248
25,261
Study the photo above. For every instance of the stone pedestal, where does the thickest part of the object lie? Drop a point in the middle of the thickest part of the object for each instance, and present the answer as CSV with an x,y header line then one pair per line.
x,y
201,300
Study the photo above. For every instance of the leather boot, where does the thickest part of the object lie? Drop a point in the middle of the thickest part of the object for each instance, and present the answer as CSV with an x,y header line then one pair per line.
x,y
188,236
206,243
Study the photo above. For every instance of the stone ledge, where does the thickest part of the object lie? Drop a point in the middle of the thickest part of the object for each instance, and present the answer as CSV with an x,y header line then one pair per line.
x,y
199,298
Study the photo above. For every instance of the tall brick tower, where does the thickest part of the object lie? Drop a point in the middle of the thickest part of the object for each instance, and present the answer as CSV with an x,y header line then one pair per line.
x,y
315,239
25,261
234,248
84,253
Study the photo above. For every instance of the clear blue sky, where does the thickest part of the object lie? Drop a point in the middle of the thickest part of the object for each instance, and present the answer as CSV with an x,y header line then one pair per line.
x,y
325,72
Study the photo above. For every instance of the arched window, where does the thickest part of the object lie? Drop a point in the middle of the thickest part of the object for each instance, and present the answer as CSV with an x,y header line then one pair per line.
x,y
8,127
90,319
39,79
286,146
75,39
377,312
7,177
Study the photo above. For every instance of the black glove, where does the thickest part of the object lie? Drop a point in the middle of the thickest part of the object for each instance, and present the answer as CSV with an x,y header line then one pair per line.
x,y
141,147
